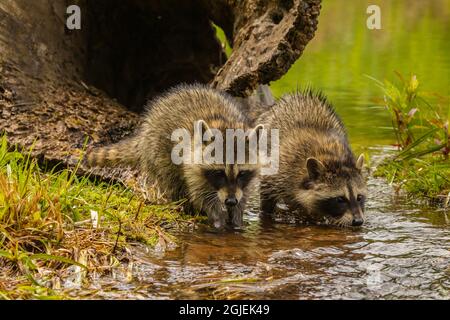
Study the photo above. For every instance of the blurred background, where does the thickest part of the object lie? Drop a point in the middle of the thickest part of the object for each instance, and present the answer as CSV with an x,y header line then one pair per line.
x,y
414,39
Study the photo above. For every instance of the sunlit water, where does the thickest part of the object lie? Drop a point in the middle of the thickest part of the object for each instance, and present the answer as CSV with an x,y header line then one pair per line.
x,y
403,250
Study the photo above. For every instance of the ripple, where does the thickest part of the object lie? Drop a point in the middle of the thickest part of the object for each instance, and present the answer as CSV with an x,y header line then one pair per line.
x,y
400,253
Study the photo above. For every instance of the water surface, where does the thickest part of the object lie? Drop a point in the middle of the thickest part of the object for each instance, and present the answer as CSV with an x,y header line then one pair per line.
x,y
414,39
402,252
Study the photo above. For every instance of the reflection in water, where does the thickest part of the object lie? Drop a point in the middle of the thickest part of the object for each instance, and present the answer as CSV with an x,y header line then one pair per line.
x,y
414,39
402,252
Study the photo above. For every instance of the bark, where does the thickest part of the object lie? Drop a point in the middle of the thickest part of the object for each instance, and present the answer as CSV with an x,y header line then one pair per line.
x,y
267,37
59,86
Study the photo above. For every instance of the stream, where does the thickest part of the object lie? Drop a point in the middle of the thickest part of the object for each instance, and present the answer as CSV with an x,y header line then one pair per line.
x,y
401,252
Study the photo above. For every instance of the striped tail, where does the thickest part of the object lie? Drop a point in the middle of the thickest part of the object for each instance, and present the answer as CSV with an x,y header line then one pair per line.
x,y
122,153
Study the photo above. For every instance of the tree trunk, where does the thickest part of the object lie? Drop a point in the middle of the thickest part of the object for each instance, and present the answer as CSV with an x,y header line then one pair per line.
x,y
58,86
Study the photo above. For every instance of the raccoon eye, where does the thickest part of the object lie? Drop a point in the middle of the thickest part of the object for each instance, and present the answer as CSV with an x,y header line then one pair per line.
x,y
215,174
216,178
244,177
360,198
245,174
341,200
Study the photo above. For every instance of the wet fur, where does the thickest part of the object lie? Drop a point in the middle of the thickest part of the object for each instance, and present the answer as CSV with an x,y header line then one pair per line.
x,y
309,128
150,150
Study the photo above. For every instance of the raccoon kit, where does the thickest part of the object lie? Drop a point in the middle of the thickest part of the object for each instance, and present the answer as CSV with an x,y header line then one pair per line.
x,y
319,178
218,190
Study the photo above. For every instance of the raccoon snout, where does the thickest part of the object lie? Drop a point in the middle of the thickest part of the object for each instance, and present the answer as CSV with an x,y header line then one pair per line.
x,y
231,201
358,216
356,222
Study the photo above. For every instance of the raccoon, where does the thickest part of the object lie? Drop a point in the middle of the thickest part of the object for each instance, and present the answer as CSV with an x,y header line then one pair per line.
x,y
218,190
318,177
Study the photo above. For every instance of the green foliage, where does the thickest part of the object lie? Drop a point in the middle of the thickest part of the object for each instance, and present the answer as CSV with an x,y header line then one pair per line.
x,y
420,127
220,34
46,225
403,105
422,163
428,178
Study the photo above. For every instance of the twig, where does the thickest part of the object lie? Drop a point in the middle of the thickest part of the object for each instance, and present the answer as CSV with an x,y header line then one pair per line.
x,y
117,238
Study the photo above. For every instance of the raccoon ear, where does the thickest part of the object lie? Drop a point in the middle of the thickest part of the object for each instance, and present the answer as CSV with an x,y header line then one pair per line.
x,y
315,168
360,162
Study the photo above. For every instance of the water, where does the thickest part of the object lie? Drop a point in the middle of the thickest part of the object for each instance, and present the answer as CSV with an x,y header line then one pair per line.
x,y
414,39
402,252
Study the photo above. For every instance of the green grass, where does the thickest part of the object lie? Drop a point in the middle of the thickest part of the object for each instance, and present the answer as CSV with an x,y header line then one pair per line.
x,y
46,228
220,34
428,177
422,164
